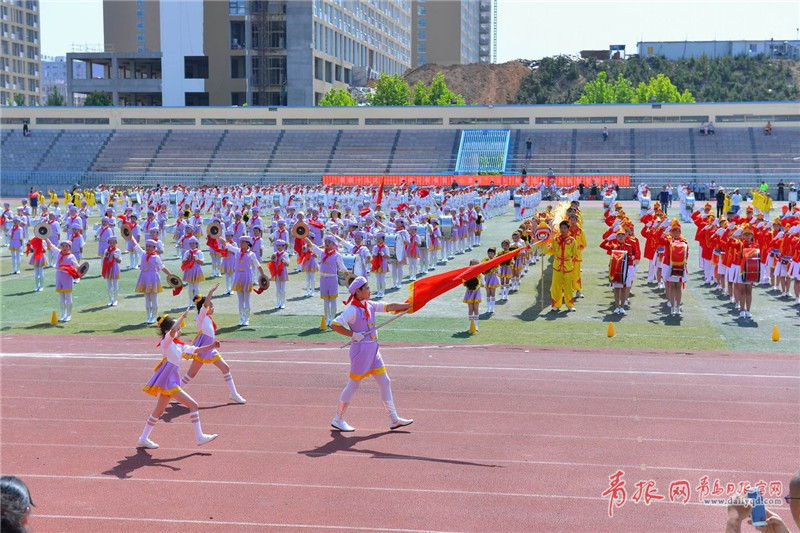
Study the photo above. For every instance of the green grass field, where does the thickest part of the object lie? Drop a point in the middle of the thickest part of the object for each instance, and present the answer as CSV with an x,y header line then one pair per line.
x,y
708,321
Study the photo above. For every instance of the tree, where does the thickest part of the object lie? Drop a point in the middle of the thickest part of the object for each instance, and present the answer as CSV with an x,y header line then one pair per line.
x,y
337,97
421,94
55,98
98,98
441,95
597,91
390,90
19,99
621,91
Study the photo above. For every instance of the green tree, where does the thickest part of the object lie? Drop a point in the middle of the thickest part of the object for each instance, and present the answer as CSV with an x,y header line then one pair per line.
x,y
19,99
390,90
623,91
421,94
98,98
441,95
597,91
54,97
337,97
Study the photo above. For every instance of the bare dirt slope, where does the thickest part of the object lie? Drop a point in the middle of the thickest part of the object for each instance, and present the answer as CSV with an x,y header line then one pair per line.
x,y
479,83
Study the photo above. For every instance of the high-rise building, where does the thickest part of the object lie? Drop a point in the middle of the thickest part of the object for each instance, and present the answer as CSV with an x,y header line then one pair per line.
x,y
451,32
261,52
20,64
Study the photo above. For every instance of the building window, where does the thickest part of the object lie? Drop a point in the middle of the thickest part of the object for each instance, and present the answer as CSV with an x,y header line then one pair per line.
x,y
195,67
422,60
196,99
422,22
421,48
236,7
421,10
140,26
140,13
238,67
421,35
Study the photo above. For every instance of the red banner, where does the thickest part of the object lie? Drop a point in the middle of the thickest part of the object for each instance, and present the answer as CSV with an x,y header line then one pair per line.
x,y
484,181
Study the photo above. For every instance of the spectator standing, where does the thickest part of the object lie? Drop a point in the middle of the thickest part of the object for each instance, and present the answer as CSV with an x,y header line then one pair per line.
x,y
529,148
764,188
720,202
25,130
593,190
605,133
781,186
768,128
712,189
736,202
581,189
663,198
33,196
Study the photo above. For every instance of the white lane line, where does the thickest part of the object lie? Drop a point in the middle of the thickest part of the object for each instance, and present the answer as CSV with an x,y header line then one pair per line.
x,y
447,491
630,417
40,355
270,388
428,432
239,524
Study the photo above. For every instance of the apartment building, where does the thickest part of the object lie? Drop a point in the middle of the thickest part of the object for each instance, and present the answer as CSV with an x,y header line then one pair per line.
x,y
20,62
260,52
451,32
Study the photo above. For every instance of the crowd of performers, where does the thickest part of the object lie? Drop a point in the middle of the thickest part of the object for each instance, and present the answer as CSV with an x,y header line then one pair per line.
x,y
345,232
736,252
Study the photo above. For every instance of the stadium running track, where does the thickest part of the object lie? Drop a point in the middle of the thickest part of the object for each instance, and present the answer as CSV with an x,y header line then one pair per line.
x,y
506,438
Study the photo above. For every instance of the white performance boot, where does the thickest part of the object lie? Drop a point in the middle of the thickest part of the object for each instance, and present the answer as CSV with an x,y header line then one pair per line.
x,y
395,421
338,420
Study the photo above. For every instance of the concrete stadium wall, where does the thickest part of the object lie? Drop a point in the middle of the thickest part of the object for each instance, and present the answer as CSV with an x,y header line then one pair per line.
x,y
645,116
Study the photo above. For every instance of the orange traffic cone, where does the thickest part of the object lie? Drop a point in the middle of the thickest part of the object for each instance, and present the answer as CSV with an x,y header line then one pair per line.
x,y
611,329
323,325
775,335
53,319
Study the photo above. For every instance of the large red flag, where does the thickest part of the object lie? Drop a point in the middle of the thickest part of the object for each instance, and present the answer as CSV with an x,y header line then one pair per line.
x,y
422,291
379,197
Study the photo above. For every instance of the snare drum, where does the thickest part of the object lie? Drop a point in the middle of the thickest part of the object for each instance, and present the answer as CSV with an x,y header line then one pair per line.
x,y
645,201
607,201
276,199
248,199
349,261
422,231
173,198
690,201
446,224
391,242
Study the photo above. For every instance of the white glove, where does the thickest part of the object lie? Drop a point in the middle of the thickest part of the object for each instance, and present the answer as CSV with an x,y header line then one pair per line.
x,y
737,233
665,224
357,337
612,237
719,232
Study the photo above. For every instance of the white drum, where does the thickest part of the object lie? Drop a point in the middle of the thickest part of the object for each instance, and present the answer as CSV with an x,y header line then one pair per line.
x,y
690,201
136,198
645,201
391,241
607,201
173,198
446,225
424,237
438,198
248,199
276,199
349,261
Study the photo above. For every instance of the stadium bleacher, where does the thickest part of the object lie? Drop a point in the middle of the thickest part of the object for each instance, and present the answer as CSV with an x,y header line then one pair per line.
x,y
634,151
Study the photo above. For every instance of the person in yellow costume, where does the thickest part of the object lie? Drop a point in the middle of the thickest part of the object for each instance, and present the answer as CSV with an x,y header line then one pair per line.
x,y
67,197
576,231
90,200
564,248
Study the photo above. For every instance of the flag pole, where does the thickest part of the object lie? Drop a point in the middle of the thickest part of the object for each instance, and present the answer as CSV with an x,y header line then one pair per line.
x,y
376,328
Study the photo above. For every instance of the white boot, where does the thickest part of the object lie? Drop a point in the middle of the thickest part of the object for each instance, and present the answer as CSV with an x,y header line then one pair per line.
x,y
395,421
69,313
246,317
338,420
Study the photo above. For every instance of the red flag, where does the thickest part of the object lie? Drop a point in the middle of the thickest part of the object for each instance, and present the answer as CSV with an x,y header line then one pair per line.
x,y
364,212
421,291
315,223
69,269
423,193
177,290
379,197
402,206
212,243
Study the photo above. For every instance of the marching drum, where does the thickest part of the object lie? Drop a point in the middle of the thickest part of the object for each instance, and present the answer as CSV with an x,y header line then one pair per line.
x,y
391,241
349,261
173,198
751,266
276,199
690,201
438,198
645,201
607,201
248,200
618,267
136,198
424,235
446,223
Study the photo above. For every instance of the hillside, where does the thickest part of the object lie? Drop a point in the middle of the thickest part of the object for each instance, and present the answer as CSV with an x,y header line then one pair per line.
x,y
478,83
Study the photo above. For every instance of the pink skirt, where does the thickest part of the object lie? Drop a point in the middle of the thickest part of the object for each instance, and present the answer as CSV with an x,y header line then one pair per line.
x,y
165,380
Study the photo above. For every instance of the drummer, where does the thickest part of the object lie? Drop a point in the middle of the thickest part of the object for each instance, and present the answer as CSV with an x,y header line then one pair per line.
x,y
413,252
330,264
403,239
380,262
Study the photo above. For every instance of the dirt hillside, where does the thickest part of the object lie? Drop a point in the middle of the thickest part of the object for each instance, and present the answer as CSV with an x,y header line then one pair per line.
x,y
478,83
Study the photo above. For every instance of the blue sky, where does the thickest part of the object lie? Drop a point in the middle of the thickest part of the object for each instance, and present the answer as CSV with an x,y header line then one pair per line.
x,y
532,29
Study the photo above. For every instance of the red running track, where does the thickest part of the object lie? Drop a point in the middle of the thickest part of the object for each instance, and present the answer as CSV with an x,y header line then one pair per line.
x,y
506,438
